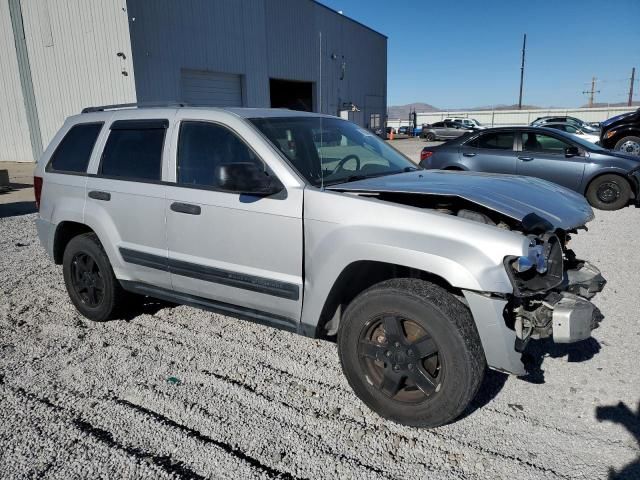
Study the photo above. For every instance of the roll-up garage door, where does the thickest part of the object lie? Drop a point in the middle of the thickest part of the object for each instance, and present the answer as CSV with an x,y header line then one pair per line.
x,y
201,87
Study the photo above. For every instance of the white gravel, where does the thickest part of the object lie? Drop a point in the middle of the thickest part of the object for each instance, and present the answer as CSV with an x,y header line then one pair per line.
x,y
175,392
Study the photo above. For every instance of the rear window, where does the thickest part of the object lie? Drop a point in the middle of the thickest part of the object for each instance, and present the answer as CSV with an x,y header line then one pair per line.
x,y
74,151
134,150
494,141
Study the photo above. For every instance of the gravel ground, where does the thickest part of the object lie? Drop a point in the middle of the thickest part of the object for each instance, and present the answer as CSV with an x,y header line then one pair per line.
x,y
174,392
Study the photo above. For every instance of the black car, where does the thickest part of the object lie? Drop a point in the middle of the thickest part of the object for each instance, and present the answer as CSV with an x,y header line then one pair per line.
x,y
622,133
608,179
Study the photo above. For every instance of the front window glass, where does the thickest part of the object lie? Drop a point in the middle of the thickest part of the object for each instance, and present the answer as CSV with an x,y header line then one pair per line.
x,y
202,146
328,151
536,142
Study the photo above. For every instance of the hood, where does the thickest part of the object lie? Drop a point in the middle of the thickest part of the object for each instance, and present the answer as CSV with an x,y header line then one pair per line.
x,y
617,118
511,195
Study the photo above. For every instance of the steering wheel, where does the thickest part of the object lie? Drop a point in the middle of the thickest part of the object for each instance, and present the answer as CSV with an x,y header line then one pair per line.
x,y
340,165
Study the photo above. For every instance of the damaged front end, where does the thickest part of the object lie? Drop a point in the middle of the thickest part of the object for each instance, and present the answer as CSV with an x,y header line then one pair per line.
x,y
552,292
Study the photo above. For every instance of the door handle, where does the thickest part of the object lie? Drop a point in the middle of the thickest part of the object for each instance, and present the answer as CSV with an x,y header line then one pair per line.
x,y
185,208
526,159
468,154
97,195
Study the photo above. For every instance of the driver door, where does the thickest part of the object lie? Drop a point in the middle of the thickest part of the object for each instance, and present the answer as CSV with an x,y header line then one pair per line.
x,y
543,156
241,253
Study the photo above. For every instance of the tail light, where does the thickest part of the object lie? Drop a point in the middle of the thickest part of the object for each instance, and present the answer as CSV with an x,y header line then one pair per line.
x,y
37,189
424,154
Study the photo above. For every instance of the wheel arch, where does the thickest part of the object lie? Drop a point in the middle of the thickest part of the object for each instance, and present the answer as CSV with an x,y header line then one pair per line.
x,y
615,171
628,131
360,275
65,231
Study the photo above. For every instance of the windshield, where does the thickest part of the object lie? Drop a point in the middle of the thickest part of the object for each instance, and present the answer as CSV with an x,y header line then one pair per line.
x,y
326,150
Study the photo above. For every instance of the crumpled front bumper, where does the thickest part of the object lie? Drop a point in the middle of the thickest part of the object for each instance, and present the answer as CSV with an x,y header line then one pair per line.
x,y
566,314
574,316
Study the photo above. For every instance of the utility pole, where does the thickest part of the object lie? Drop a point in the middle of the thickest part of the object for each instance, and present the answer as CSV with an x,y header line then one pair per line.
x,y
592,92
633,79
524,47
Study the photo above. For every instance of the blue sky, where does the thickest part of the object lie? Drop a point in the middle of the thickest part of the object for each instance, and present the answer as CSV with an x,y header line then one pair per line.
x,y
462,53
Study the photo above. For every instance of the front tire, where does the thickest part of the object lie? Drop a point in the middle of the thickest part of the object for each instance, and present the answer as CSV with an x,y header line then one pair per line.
x,y
88,276
430,137
609,192
629,145
411,352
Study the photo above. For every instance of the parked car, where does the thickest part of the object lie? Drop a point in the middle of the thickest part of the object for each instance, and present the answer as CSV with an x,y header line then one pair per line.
x,y
609,180
241,212
467,122
581,124
405,130
622,133
574,130
443,130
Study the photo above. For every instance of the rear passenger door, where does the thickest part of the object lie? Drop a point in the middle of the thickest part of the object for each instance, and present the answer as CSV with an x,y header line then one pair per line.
x,y
490,152
125,199
241,253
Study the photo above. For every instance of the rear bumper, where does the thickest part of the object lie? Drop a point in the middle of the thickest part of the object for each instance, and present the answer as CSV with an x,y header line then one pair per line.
x,y
46,232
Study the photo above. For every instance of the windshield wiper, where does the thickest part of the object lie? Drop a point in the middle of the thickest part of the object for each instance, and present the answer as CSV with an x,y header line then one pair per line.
x,y
355,178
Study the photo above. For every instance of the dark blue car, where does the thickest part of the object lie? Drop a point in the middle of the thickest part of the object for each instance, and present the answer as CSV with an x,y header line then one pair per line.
x,y
609,180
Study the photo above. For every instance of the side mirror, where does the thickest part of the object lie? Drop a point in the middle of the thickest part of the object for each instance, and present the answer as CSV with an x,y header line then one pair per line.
x,y
246,177
571,152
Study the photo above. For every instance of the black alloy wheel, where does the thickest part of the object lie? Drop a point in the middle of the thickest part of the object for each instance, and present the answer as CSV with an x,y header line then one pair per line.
x,y
401,359
87,279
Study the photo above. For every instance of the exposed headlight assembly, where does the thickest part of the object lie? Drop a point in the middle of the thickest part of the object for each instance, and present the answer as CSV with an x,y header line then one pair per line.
x,y
541,269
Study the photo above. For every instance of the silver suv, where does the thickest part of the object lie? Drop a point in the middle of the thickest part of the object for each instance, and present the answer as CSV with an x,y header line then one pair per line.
x,y
308,223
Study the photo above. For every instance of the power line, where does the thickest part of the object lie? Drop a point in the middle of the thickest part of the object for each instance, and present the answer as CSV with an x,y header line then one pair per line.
x,y
633,75
524,47
592,91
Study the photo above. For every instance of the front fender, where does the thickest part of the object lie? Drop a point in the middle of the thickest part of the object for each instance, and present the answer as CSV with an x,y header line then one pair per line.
x,y
468,255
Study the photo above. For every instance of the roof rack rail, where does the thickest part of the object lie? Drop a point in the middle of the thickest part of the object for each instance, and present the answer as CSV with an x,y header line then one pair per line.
x,y
118,106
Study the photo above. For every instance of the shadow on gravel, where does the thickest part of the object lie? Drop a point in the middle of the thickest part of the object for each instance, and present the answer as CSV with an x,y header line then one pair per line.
x,y
17,208
491,385
538,350
624,416
144,306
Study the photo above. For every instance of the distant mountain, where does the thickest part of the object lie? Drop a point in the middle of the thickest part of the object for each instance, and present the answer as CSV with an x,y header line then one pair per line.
x,y
619,104
505,107
402,111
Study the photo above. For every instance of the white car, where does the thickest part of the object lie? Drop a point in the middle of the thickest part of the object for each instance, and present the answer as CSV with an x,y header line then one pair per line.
x,y
574,130
467,122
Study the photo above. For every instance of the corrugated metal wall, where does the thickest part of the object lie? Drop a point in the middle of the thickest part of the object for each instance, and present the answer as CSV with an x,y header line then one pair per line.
x,y
73,46
15,145
258,39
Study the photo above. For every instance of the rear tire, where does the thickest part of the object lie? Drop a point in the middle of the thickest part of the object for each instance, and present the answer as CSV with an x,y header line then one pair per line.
x,y
430,137
411,352
88,276
629,145
609,192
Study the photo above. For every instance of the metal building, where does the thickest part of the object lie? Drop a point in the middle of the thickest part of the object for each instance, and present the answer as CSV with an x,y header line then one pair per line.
x,y
58,56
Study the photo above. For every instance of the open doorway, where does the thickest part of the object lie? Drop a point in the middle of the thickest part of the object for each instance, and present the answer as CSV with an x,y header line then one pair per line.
x,y
291,94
